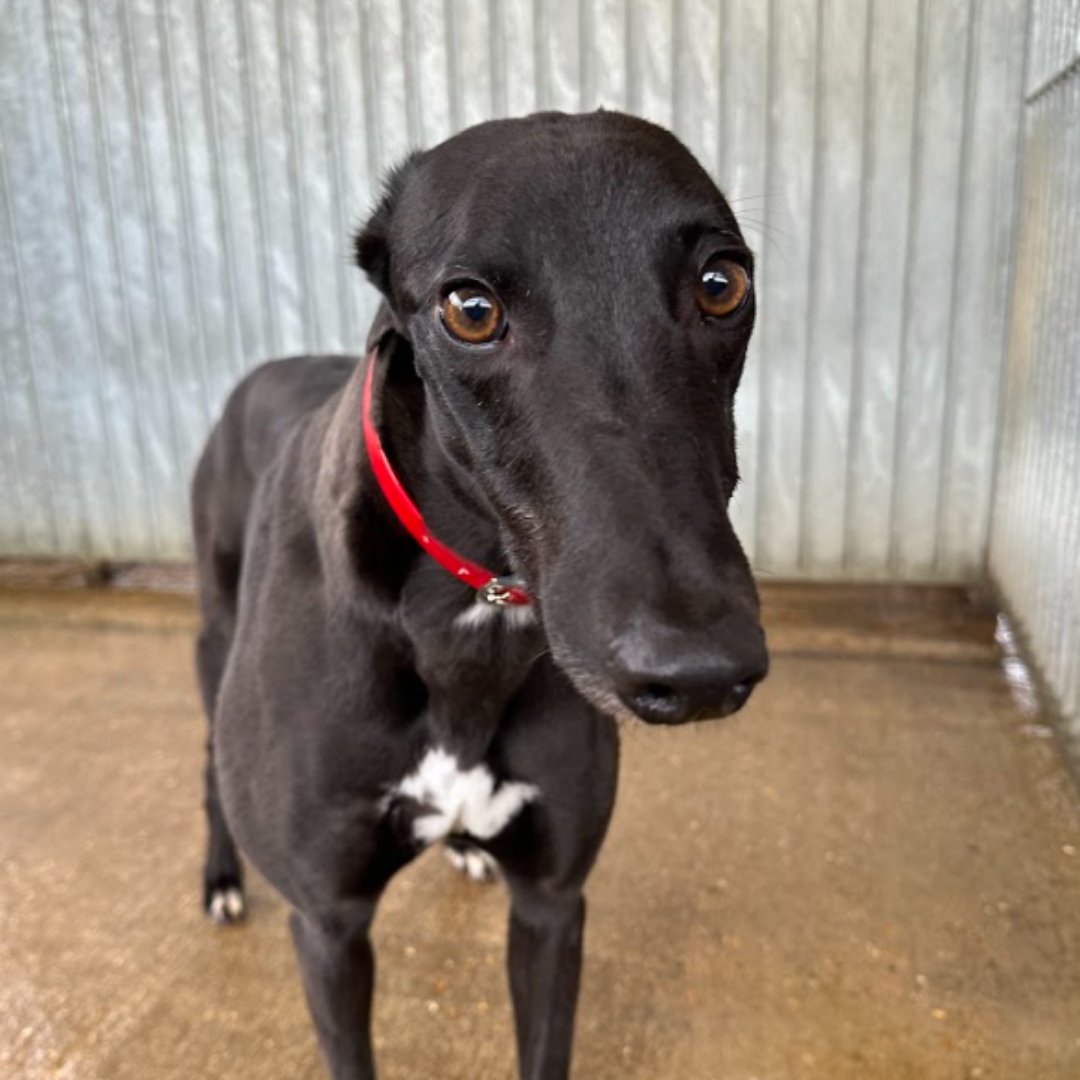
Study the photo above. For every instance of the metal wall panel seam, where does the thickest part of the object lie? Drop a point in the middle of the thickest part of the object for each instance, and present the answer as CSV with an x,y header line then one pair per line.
x,y
677,61
148,209
1009,195
221,216
105,170
963,181
858,319
296,172
1067,282
914,204
497,58
31,346
17,474
1049,574
77,214
254,140
633,59
587,64
763,425
453,76
414,103
719,165
1069,599
1021,406
22,545
331,125
542,64
1071,646
178,144
813,299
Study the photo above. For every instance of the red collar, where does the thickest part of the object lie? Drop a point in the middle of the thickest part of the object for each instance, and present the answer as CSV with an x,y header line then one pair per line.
x,y
489,587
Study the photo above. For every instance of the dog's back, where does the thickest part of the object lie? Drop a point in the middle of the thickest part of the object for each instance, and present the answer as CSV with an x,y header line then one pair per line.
x,y
259,415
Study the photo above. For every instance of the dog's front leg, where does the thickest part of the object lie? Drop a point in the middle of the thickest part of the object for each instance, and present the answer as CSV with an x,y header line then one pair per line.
x,y
545,971
337,964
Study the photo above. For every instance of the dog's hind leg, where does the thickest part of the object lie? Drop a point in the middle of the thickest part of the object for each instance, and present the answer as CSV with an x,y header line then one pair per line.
x,y
219,580
223,873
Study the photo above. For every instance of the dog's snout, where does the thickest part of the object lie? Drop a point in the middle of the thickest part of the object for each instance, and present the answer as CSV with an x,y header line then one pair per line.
x,y
664,681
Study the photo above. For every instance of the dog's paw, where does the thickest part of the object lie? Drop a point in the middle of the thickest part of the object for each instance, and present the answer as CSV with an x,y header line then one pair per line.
x,y
225,904
473,862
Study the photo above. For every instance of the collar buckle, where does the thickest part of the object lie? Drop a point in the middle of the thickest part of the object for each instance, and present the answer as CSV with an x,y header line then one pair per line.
x,y
502,592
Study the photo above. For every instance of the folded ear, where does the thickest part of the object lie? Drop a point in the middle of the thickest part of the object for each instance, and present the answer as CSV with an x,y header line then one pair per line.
x,y
372,242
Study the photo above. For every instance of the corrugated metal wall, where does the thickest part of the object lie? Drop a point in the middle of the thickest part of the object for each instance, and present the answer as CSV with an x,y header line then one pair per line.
x,y
179,176
1035,552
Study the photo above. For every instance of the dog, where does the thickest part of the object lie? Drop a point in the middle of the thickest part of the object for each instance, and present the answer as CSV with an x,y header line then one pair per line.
x,y
432,579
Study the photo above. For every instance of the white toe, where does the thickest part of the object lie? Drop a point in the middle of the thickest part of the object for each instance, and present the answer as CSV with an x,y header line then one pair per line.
x,y
474,863
226,905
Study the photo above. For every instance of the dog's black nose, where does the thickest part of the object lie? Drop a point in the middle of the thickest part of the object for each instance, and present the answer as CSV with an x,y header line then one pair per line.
x,y
665,681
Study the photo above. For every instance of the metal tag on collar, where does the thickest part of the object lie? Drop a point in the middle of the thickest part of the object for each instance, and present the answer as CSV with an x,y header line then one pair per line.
x,y
502,591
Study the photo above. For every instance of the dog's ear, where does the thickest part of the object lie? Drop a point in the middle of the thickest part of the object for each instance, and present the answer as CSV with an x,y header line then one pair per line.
x,y
372,243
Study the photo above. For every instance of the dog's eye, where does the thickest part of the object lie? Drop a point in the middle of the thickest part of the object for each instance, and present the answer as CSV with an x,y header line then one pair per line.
x,y
722,288
472,315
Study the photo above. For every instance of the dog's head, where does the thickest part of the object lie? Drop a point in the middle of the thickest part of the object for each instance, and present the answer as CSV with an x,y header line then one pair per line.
x,y
578,300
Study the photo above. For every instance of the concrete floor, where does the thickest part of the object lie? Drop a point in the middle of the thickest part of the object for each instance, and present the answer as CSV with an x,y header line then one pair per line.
x,y
871,872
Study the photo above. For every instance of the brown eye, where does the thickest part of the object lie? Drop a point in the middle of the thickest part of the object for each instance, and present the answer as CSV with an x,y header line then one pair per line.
x,y
473,315
722,288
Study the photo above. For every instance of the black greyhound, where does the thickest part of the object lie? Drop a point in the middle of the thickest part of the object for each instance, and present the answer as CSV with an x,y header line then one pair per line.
x,y
567,307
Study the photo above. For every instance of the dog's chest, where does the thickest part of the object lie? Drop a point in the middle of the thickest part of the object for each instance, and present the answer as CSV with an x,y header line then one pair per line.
x,y
455,800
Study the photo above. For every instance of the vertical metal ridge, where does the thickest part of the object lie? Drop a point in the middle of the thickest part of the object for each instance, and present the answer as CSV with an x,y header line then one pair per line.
x,y
372,135
221,216
813,298
963,179
1012,253
453,76
7,413
633,61
76,213
542,54
760,468
105,172
148,205
1058,360
497,58
1035,517
414,118
331,125
914,208
294,168
178,153
31,347
858,317
255,168
586,61
1070,646
723,97
677,63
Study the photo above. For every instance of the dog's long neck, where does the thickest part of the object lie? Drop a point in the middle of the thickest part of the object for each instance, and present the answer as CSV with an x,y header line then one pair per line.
x,y
453,506
470,671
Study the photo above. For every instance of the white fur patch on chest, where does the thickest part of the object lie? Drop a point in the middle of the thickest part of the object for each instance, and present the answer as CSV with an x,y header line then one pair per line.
x,y
457,800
